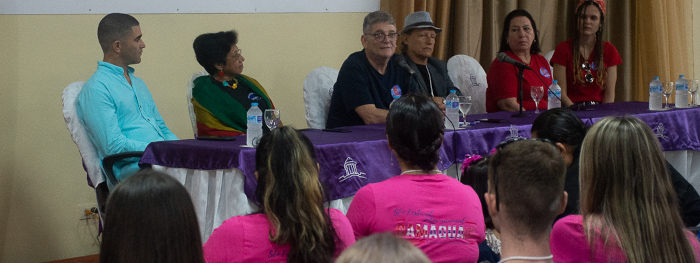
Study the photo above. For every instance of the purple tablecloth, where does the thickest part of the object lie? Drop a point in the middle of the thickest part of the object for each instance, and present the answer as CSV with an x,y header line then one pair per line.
x,y
351,160
676,129
347,161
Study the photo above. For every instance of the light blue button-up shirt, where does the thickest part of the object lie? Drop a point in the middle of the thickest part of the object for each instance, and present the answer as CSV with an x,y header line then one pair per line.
x,y
118,116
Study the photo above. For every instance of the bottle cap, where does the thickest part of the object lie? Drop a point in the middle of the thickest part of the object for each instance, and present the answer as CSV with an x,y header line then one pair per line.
x,y
554,82
254,104
453,91
656,78
680,76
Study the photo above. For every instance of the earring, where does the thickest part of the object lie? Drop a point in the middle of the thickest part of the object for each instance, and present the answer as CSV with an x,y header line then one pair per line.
x,y
391,159
221,74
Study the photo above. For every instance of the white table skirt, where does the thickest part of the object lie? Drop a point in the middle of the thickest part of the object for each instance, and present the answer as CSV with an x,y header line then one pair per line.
x,y
218,194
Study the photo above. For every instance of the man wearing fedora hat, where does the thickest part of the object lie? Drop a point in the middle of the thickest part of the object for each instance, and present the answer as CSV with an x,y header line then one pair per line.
x,y
369,77
417,44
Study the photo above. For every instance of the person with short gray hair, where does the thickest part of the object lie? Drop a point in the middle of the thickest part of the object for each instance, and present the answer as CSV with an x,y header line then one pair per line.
x,y
369,79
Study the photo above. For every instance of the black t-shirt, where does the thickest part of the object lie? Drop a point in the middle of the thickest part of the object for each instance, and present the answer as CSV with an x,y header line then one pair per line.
x,y
360,84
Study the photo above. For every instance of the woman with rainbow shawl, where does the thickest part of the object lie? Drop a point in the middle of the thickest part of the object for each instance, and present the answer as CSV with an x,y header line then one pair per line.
x,y
222,99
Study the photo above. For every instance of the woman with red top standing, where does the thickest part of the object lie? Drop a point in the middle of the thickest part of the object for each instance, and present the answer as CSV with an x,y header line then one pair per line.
x,y
586,66
520,41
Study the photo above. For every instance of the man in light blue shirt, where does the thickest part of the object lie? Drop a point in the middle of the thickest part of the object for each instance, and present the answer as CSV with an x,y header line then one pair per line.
x,y
115,106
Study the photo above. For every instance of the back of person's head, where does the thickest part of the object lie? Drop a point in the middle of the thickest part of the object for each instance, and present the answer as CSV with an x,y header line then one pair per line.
x,y
150,218
625,187
414,128
526,178
292,196
385,248
113,27
375,18
560,125
211,49
476,176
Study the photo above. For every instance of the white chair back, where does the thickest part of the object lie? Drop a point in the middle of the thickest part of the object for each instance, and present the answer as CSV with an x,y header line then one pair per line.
x,y
318,87
190,107
468,75
548,56
87,150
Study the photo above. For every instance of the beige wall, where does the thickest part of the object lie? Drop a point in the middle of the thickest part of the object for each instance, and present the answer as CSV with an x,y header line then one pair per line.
x,y
42,182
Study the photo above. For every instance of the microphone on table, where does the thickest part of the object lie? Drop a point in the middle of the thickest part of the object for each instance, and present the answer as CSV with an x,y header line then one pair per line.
x,y
402,62
502,57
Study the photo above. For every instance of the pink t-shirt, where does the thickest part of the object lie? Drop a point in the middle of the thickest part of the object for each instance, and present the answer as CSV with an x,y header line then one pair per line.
x,y
437,213
246,239
568,244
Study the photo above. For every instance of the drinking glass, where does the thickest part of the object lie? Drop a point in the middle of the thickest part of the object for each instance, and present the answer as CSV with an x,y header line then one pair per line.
x,y
536,92
272,118
465,104
692,90
668,87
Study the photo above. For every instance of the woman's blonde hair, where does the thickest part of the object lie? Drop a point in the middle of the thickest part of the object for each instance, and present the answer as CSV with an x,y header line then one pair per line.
x,y
626,193
292,196
385,248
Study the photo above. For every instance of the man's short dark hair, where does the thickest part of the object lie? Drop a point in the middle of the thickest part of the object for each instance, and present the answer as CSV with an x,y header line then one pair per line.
x,y
530,184
113,27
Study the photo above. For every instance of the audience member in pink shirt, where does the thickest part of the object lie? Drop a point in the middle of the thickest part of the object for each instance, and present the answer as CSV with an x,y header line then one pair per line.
x,y
526,192
629,210
436,213
293,225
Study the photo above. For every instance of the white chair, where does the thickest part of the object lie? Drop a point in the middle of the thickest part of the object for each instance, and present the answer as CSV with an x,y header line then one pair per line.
x,y
88,152
318,87
468,75
91,162
548,56
190,86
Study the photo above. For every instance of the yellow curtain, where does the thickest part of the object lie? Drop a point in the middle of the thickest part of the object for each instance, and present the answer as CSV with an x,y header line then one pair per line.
x,y
662,43
652,37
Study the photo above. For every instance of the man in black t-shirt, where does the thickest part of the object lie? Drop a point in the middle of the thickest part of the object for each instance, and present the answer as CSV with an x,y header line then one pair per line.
x,y
368,78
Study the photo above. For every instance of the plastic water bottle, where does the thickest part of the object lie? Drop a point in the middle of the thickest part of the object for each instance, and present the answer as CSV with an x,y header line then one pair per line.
x,y
682,92
255,121
452,110
554,96
655,95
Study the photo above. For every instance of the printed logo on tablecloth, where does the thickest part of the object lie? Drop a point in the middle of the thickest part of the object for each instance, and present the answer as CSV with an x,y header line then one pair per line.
x,y
350,166
659,130
514,134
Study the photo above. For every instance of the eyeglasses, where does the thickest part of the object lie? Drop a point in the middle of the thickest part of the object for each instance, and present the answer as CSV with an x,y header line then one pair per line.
x,y
380,36
497,161
587,68
237,55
